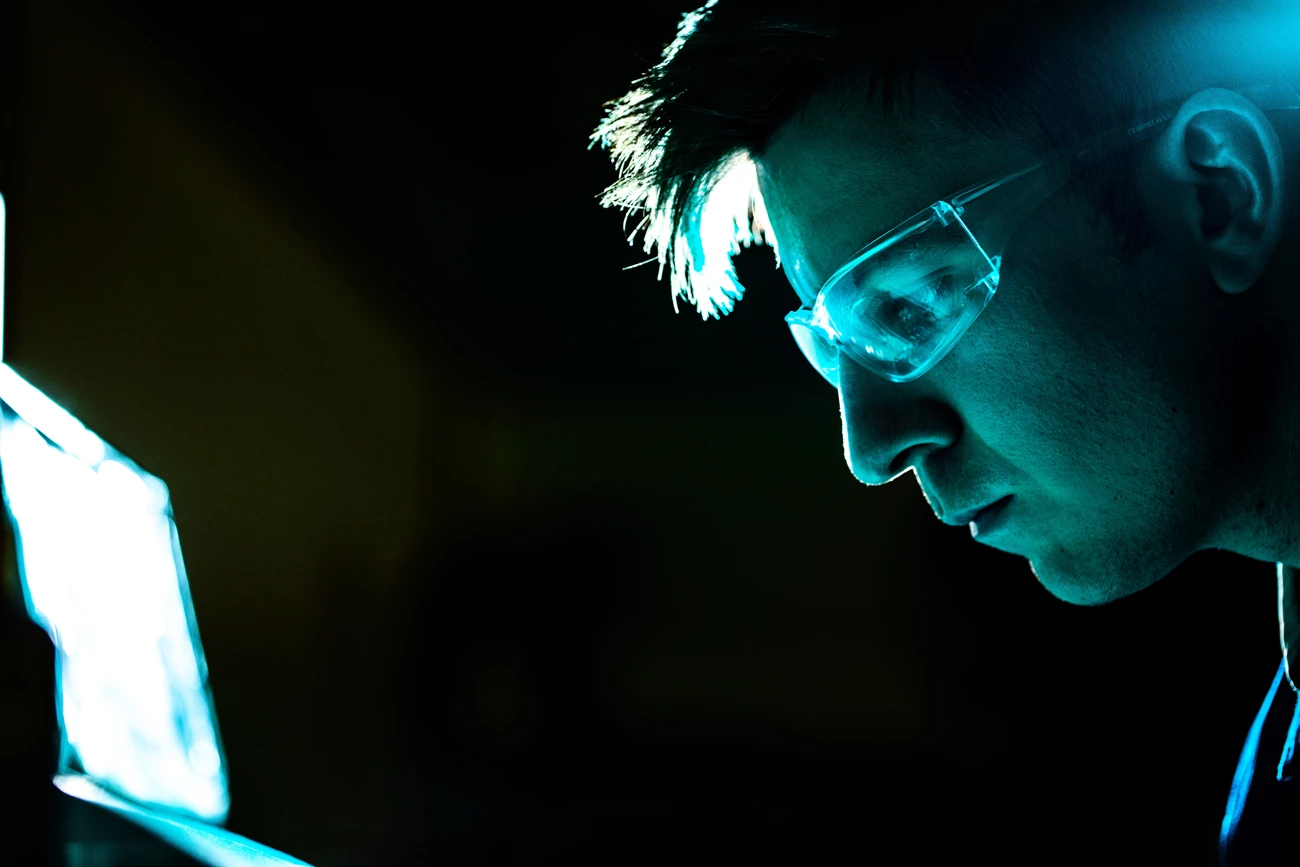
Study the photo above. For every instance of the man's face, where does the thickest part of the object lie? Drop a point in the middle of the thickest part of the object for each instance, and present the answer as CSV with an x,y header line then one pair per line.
x,y
1121,406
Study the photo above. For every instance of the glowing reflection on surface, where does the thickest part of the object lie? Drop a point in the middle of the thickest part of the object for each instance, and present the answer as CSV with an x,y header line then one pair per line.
x,y
210,845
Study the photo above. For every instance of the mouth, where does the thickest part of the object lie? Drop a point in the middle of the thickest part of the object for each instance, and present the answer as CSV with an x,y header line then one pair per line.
x,y
980,515
989,518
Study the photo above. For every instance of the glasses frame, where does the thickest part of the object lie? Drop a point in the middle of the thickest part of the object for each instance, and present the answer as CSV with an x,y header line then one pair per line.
x,y
1015,195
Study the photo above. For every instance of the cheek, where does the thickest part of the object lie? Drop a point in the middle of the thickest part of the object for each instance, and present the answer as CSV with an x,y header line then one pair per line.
x,y
1067,377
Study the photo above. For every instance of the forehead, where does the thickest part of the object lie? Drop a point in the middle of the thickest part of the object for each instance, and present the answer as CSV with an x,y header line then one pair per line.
x,y
838,176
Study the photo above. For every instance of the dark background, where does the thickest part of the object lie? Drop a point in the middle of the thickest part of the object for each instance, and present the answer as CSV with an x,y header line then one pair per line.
x,y
496,560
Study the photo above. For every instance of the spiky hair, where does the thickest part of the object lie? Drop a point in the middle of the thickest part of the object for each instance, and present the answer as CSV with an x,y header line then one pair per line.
x,y
685,138
696,221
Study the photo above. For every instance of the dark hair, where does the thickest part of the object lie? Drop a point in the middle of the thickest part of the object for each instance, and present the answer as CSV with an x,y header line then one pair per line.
x,y
739,69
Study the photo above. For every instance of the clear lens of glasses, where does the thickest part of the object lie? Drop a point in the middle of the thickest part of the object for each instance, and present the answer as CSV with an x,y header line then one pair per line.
x,y
898,306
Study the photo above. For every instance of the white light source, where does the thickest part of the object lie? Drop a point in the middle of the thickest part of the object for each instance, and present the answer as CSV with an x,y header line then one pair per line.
x,y
100,564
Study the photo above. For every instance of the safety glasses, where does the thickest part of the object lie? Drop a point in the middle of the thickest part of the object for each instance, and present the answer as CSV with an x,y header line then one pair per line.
x,y
902,302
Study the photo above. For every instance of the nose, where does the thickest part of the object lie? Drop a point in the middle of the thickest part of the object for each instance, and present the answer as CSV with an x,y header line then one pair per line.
x,y
889,426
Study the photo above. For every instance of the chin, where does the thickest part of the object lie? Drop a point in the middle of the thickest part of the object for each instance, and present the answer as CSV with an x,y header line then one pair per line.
x,y
1068,580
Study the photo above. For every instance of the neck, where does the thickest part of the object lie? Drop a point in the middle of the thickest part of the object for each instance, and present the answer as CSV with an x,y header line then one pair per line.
x,y
1264,521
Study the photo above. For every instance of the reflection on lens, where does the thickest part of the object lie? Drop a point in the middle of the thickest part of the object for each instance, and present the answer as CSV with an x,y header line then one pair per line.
x,y
903,302
819,351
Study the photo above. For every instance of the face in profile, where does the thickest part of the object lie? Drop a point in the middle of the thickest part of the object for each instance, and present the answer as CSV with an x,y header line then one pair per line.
x,y
1117,413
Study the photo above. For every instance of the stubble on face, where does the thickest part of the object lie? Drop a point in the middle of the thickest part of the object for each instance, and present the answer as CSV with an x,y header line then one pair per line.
x,y
1090,389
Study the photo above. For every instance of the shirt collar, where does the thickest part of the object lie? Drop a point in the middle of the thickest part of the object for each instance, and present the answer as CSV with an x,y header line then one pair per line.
x,y
1288,620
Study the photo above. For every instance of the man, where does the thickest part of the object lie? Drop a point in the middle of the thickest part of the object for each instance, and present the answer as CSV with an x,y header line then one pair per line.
x,y
1076,322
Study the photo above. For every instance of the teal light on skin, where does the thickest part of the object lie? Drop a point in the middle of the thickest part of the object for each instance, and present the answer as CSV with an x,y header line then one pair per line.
x,y
101,571
1132,396
1136,410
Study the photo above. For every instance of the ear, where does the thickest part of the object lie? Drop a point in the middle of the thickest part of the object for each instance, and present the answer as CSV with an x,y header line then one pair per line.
x,y
1221,184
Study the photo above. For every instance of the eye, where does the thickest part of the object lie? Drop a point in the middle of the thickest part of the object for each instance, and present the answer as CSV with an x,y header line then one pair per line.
x,y
903,318
911,311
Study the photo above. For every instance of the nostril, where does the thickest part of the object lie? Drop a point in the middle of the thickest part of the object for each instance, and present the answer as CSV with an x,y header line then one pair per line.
x,y
907,459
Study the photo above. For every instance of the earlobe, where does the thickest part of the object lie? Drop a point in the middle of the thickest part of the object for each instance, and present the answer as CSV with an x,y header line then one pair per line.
x,y
1224,160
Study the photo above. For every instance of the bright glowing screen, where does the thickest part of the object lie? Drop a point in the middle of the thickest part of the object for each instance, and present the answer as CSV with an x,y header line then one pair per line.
x,y
101,566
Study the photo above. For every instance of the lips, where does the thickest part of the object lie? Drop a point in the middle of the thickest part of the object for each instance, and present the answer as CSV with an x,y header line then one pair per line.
x,y
960,519
988,519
